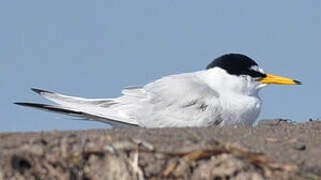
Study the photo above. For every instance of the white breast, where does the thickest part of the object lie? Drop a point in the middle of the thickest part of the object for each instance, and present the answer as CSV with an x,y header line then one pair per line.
x,y
240,109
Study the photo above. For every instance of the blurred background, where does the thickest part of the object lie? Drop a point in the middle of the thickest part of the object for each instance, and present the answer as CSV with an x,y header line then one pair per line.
x,y
95,48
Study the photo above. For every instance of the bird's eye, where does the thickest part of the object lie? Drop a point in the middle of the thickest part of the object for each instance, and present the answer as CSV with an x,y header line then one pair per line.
x,y
255,74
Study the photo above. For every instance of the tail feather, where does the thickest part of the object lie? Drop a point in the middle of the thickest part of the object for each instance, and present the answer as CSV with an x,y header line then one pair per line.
x,y
50,108
89,109
70,112
71,100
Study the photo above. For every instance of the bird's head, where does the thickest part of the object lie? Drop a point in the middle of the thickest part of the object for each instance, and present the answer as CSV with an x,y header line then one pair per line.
x,y
241,73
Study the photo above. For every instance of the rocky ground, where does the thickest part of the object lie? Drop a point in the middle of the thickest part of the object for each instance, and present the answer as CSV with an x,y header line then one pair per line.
x,y
277,150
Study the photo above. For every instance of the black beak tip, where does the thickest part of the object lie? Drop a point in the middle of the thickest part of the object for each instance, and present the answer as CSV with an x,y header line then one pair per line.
x,y
298,82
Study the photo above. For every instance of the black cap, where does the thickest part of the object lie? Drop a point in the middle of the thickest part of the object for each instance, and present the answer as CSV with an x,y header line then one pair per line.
x,y
236,64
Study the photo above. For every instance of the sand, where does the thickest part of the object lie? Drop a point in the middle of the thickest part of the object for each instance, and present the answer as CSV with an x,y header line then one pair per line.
x,y
272,150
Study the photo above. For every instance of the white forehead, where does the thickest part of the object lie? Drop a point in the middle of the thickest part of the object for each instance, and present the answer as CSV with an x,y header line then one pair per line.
x,y
257,68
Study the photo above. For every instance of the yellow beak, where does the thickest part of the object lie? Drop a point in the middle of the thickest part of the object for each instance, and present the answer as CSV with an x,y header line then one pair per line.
x,y
271,79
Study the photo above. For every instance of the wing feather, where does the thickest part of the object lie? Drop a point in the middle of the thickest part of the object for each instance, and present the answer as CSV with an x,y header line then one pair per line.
x,y
175,100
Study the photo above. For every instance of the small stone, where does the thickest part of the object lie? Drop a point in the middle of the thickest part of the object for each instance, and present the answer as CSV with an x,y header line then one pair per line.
x,y
269,122
299,146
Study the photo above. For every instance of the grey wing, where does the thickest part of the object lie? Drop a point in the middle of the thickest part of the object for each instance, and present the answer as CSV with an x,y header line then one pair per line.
x,y
178,100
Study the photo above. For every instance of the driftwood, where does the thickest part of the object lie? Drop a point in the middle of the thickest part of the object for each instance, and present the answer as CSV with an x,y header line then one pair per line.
x,y
279,151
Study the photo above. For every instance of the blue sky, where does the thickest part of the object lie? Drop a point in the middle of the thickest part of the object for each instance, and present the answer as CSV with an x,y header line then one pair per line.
x,y
94,48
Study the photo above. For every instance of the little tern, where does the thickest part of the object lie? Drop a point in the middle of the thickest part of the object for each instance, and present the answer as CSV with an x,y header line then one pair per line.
x,y
225,93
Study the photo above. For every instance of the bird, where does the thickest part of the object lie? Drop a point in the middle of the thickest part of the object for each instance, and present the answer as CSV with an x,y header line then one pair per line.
x,y
225,93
